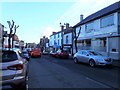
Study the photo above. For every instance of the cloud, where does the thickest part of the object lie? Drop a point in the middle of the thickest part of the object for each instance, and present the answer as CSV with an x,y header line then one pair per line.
x,y
85,7
47,31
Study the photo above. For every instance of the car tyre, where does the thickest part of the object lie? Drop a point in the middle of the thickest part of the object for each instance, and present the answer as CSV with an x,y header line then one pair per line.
x,y
92,63
75,60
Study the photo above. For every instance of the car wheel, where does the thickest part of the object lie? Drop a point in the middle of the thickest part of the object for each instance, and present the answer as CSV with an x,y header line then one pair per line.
x,y
92,63
75,60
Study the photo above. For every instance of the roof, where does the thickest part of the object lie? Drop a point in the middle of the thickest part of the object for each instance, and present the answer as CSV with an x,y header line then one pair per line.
x,y
105,11
56,33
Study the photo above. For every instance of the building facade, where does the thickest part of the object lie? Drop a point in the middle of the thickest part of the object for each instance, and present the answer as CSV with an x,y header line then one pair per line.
x,y
101,31
43,43
68,39
55,42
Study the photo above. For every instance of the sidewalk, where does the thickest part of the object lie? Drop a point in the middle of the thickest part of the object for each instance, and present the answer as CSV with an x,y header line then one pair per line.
x,y
116,63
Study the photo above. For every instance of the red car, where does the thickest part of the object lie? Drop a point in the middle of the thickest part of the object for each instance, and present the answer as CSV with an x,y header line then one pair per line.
x,y
62,54
35,52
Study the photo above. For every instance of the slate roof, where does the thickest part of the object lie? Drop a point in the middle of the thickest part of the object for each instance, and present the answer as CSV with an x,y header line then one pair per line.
x,y
105,11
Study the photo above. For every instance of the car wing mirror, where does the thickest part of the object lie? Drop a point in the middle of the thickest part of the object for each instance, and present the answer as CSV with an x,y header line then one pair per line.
x,y
87,55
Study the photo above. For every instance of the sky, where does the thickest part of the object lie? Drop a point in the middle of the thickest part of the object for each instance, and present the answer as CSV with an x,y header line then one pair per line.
x,y
38,18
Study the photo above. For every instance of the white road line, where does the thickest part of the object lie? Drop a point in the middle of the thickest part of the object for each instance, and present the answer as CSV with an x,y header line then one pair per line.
x,y
98,82
27,82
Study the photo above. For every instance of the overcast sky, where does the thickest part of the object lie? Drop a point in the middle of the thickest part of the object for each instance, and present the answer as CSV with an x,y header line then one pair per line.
x,y
40,18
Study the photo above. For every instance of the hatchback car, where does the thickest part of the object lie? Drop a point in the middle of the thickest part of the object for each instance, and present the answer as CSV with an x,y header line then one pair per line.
x,y
35,52
14,68
92,58
62,54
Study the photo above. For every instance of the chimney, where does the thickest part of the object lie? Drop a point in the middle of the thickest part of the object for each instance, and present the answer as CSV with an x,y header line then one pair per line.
x,y
53,32
67,25
62,27
81,17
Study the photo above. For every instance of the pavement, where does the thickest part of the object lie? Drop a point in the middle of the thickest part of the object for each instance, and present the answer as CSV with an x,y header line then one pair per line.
x,y
116,63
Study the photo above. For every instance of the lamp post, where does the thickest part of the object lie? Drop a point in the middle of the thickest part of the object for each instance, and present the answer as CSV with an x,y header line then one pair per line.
x,y
62,28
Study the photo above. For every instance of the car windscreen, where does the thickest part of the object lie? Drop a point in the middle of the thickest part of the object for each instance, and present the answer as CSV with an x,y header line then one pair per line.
x,y
24,52
8,56
94,53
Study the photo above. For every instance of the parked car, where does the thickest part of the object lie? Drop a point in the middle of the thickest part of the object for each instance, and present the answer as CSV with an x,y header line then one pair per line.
x,y
45,52
62,54
52,53
26,54
14,68
92,58
29,51
35,52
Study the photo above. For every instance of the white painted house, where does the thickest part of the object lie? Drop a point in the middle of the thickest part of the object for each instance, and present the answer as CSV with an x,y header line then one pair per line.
x,y
55,40
101,31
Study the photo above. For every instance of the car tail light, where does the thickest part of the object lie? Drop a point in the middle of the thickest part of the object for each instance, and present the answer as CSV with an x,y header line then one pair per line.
x,y
16,67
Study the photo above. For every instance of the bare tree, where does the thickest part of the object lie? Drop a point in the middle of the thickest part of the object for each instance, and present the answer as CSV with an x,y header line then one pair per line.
x,y
76,37
10,34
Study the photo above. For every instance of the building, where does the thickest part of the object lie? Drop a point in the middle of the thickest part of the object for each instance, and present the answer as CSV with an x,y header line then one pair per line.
x,y
44,43
101,31
55,41
1,36
68,39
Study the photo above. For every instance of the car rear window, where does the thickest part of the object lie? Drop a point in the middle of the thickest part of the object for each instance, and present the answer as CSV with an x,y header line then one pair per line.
x,y
8,56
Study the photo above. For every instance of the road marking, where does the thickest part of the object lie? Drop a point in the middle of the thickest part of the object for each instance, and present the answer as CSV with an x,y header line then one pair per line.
x,y
98,82
27,83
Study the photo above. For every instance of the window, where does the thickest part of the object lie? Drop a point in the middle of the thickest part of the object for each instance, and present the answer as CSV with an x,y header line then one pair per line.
x,y
119,18
84,53
8,56
89,27
58,42
66,39
107,21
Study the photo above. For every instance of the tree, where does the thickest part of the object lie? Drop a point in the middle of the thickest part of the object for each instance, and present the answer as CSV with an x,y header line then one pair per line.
x,y
76,37
11,31
10,34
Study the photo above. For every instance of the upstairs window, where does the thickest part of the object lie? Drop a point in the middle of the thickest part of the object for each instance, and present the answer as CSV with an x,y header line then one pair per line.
x,y
66,39
89,27
119,18
107,21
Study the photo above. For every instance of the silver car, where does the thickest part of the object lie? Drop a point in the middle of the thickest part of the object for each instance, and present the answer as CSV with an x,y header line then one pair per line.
x,y
92,58
14,68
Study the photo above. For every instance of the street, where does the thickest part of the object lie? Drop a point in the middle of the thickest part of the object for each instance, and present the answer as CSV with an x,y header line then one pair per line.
x,y
50,72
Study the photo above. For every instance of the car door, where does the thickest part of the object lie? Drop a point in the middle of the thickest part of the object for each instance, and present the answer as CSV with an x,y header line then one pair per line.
x,y
79,56
85,56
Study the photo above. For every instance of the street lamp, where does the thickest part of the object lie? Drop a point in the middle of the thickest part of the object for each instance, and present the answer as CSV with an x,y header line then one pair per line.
x,y
62,28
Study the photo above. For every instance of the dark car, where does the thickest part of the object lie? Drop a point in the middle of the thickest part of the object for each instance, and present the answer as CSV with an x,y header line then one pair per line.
x,y
26,54
62,54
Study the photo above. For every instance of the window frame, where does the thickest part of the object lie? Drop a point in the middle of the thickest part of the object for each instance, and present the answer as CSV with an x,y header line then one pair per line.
x,y
106,17
89,30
